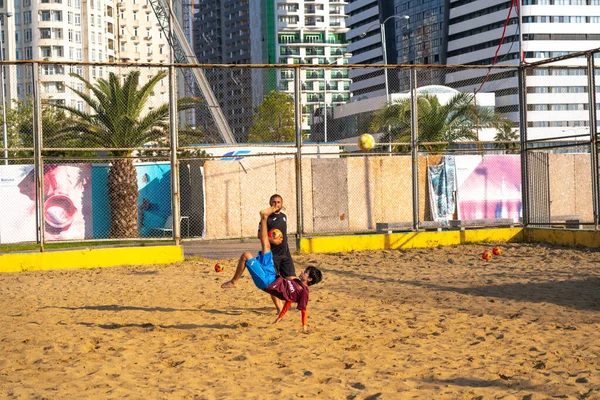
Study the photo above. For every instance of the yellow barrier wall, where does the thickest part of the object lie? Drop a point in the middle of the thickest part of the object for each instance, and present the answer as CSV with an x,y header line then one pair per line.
x,y
90,258
559,237
409,240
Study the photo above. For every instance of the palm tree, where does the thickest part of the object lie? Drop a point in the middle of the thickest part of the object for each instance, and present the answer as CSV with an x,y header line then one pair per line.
x,y
506,133
457,120
117,121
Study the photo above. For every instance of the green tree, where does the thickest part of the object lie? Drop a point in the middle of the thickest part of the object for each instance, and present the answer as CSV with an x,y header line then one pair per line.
x,y
458,120
118,120
274,120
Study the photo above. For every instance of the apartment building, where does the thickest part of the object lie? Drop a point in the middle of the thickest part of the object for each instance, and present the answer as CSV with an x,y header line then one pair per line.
x,y
312,33
556,95
74,30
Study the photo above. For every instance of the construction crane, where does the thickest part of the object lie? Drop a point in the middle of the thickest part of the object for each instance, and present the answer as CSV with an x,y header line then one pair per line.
x,y
184,54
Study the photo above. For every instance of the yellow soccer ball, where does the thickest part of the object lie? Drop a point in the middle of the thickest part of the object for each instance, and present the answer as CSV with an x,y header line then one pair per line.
x,y
366,142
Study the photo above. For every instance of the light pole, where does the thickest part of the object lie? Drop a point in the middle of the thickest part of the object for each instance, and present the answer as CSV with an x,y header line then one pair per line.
x,y
385,60
346,55
383,46
4,128
325,101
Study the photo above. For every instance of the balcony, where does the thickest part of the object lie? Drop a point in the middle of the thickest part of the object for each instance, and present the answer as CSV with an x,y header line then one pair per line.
x,y
339,74
314,98
340,98
287,75
290,8
314,75
309,21
287,51
315,52
337,52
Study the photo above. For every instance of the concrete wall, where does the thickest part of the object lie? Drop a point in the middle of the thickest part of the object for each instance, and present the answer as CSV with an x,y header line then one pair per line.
x,y
237,190
338,195
571,185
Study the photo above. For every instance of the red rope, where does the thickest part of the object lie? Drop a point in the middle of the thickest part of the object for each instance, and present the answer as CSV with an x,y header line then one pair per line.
x,y
514,3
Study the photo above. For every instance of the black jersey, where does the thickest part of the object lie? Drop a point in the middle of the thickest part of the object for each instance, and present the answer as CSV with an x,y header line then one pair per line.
x,y
284,264
279,221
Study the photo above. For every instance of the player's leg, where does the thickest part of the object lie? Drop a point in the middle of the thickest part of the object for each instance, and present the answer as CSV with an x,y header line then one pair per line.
x,y
264,233
286,267
262,270
238,271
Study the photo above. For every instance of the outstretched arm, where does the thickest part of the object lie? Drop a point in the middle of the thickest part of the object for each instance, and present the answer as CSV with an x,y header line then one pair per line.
x,y
304,315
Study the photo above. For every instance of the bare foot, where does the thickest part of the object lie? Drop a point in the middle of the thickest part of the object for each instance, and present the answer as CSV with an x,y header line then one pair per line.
x,y
229,285
267,211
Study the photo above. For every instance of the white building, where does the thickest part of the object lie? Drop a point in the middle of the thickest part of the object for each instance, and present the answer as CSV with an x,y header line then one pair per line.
x,y
313,33
557,95
76,30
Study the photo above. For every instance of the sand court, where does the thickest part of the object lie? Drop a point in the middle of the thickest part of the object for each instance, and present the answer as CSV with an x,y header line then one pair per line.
x,y
394,324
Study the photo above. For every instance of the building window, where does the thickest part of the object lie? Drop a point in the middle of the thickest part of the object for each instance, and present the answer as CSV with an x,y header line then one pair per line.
x,y
45,33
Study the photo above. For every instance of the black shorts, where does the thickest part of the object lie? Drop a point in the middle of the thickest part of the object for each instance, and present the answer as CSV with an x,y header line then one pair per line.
x,y
284,266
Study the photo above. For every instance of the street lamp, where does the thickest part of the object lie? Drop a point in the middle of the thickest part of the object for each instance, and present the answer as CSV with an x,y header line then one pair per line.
x,y
4,128
385,60
346,55
383,46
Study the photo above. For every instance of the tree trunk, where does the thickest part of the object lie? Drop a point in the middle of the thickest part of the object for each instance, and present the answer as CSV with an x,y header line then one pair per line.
x,y
123,199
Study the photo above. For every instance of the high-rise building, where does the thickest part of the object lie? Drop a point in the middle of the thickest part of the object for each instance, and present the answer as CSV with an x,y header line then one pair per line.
x,y
272,32
313,33
420,39
413,35
362,15
557,94
76,30
232,32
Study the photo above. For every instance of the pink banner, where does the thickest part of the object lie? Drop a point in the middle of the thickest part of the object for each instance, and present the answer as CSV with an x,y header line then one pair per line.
x,y
67,210
489,187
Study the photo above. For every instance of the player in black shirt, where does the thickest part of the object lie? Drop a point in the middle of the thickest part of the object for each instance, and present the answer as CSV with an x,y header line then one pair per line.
x,y
284,265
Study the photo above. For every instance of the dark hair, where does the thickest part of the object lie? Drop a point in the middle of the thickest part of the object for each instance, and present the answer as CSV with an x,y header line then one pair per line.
x,y
315,275
274,197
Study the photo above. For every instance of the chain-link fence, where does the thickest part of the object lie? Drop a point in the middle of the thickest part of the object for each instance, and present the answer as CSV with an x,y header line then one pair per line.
x,y
102,151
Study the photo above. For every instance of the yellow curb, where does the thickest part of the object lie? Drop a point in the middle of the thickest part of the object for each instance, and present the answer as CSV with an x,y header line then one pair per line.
x,y
90,258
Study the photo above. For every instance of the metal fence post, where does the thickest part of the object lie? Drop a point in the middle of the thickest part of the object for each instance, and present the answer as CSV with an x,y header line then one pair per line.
x,y
523,140
38,165
175,206
593,134
298,121
414,133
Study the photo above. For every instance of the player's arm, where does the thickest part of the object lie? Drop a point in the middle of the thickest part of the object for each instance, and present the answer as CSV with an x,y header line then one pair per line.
x,y
305,320
285,308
